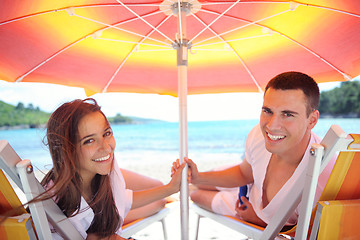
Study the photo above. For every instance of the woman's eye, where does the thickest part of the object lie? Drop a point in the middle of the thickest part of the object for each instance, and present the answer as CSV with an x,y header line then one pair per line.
x,y
108,133
88,141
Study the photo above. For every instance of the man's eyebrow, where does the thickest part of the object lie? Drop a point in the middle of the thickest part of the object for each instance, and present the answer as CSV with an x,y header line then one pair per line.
x,y
290,112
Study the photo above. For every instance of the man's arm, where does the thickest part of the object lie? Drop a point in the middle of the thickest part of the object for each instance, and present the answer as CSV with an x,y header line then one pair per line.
x,y
236,176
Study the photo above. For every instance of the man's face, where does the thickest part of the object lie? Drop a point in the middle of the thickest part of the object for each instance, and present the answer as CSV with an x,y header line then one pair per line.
x,y
284,122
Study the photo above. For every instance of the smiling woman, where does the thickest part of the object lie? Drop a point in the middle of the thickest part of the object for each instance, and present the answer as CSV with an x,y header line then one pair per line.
x,y
86,181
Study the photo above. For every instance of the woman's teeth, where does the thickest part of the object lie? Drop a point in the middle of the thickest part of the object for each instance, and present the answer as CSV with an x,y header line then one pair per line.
x,y
275,137
102,158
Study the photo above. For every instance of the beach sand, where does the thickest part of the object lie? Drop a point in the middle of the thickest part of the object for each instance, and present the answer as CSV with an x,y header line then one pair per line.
x,y
209,229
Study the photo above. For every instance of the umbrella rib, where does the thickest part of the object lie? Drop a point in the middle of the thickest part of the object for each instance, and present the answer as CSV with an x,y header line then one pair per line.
x,y
64,9
28,16
127,56
232,40
217,18
121,29
329,8
346,76
142,19
249,23
241,60
146,44
19,79
296,2
284,35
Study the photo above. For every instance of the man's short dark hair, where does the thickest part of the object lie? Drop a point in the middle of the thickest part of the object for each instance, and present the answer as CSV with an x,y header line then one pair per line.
x,y
294,81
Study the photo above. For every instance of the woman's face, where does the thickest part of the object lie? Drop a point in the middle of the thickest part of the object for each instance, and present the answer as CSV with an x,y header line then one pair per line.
x,y
96,145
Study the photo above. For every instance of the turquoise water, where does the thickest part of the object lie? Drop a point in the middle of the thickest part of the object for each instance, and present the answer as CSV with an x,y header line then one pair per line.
x,y
159,141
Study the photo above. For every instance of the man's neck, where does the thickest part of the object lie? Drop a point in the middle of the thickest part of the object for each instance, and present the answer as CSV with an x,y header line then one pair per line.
x,y
294,156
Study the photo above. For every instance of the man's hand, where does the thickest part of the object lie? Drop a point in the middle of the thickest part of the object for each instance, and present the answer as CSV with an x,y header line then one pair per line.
x,y
246,212
192,169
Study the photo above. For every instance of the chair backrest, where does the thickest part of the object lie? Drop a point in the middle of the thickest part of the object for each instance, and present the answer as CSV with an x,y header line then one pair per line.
x,y
342,186
337,219
344,181
18,225
20,171
8,198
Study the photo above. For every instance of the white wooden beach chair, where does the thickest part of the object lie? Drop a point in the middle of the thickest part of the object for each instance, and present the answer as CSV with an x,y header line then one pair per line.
x,y
21,173
347,162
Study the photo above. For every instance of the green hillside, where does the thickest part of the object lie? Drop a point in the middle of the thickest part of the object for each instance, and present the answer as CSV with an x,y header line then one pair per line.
x,y
343,101
31,116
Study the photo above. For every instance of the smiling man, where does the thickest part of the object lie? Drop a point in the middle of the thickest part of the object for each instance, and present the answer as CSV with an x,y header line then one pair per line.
x,y
276,151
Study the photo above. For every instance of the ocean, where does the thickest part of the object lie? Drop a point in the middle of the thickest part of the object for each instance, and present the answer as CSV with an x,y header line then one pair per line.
x,y
158,141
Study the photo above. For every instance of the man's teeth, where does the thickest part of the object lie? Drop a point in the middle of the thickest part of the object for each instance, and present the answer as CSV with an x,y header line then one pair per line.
x,y
275,137
102,158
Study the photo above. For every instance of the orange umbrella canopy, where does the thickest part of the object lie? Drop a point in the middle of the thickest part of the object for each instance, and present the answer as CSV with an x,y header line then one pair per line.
x,y
130,46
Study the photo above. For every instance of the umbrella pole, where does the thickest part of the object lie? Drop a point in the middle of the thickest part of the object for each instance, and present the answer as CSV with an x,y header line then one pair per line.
x,y
183,136
182,63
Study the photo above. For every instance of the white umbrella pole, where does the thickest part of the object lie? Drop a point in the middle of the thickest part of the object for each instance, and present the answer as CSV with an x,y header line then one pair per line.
x,y
182,62
183,136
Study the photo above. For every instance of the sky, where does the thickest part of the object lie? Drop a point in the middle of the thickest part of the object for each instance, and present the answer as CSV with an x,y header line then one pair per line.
x,y
204,107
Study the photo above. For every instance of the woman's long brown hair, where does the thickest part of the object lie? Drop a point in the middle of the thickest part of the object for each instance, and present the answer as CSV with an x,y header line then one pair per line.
x,y
62,137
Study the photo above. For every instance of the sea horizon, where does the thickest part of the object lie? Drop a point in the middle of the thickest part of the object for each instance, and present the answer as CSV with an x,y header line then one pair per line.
x,y
159,141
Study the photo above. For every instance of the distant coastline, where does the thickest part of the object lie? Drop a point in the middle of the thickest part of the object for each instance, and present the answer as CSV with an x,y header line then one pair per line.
x,y
349,115
135,120
25,117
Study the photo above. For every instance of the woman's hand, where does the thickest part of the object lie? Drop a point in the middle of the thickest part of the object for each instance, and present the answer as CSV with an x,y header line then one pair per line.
x,y
176,172
246,212
193,172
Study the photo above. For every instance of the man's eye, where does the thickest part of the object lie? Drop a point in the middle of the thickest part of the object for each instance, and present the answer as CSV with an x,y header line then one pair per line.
x,y
288,114
266,110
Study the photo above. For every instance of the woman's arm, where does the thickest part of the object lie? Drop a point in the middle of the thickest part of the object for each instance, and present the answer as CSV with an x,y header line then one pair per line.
x,y
143,197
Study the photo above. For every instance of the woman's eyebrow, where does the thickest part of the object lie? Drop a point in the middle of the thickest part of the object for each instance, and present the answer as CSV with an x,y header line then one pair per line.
x,y
90,135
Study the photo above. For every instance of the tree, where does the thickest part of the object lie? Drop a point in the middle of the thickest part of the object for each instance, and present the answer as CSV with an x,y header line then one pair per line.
x,y
341,101
20,106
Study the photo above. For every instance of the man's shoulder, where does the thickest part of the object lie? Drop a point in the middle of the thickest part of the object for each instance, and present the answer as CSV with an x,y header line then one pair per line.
x,y
255,134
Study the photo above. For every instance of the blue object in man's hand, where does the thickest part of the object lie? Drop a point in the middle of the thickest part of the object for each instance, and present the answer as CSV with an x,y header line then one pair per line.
x,y
243,192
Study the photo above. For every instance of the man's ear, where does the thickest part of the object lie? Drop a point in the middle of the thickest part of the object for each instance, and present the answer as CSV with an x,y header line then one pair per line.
x,y
313,118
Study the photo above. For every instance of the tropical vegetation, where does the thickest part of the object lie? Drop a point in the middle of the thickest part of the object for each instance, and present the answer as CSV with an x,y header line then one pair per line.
x,y
32,117
21,115
343,101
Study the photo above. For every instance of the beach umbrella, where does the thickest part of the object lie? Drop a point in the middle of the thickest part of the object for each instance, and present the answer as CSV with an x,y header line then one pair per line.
x,y
177,47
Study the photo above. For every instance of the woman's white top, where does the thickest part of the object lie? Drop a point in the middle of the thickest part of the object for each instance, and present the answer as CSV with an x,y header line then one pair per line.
x,y
123,201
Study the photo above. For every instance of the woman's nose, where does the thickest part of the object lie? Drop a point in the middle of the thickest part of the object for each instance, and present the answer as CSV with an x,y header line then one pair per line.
x,y
105,145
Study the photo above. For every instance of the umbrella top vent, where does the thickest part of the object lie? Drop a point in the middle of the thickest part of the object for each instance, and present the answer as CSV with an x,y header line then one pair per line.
x,y
169,7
